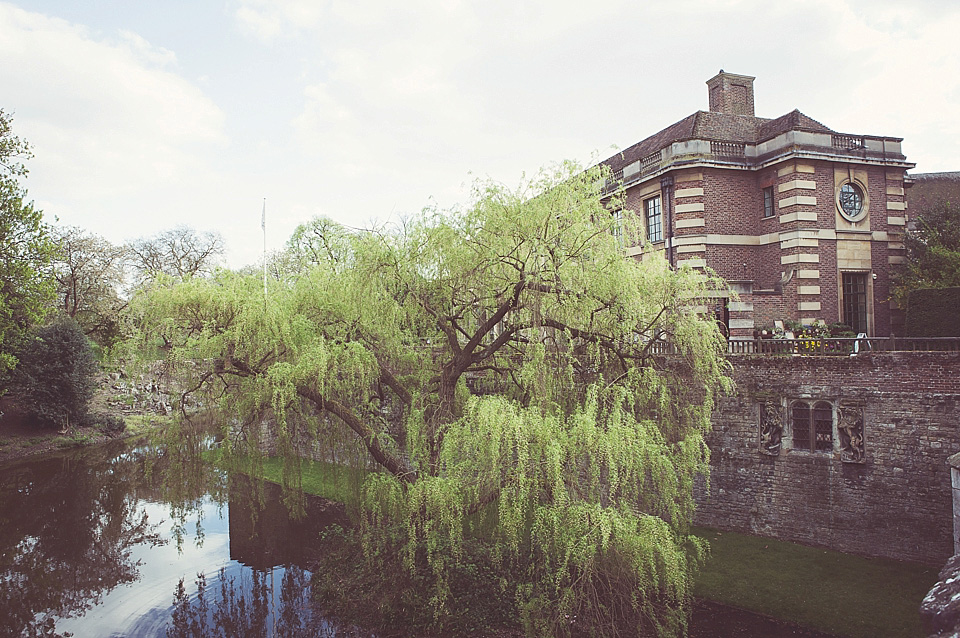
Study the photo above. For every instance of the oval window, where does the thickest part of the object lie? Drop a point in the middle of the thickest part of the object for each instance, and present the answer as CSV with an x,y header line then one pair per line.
x,y
851,201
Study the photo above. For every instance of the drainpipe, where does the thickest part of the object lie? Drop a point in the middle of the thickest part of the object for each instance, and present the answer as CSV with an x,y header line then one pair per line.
x,y
666,187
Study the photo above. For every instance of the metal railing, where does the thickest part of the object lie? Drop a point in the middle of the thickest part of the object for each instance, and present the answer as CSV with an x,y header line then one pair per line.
x,y
842,346
830,346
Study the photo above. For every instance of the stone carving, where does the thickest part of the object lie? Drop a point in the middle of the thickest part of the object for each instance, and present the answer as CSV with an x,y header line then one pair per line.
x,y
771,428
850,429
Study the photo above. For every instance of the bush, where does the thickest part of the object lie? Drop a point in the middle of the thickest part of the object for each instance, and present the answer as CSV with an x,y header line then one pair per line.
x,y
109,424
55,378
932,312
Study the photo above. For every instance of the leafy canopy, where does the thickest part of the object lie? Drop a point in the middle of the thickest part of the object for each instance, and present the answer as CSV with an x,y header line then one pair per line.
x,y
499,366
933,251
55,379
25,250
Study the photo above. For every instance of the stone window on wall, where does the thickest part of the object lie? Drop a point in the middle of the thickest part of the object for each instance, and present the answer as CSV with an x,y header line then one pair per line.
x,y
768,202
812,426
851,201
654,218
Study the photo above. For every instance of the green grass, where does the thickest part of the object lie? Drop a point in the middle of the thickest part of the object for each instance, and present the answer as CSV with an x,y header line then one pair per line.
x,y
327,480
141,423
836,593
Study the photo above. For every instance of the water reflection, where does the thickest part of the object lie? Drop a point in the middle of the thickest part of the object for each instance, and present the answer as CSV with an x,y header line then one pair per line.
x,y
111,542
66,533
251,607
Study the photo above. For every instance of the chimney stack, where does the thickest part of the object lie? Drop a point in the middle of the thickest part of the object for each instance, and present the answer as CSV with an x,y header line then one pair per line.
x,y
731,93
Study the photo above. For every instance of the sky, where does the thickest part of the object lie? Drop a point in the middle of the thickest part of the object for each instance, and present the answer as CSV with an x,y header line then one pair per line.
x,y
148,115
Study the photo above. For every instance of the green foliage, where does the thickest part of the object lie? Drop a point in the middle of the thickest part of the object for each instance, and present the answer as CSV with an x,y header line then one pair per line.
x,y
497,366
109,424
933,251
933,312
25,250
55,379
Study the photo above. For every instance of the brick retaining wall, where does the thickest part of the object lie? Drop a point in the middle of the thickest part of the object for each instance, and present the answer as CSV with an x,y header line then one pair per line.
x,y
896,503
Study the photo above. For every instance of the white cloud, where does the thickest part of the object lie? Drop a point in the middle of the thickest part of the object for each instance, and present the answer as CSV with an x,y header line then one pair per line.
x,y
106,118
361,109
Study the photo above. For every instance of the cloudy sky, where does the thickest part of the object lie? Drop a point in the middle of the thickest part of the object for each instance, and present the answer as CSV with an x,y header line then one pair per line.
x,y
146,115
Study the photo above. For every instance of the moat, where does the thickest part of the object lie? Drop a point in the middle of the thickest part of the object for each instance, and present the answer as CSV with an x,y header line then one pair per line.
x,y
123,540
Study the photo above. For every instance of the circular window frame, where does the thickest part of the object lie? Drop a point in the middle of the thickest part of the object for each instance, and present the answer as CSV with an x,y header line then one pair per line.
x,y
864,201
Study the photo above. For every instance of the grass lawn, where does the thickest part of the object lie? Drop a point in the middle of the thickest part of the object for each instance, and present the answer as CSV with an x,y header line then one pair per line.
x,y
333,482
836,593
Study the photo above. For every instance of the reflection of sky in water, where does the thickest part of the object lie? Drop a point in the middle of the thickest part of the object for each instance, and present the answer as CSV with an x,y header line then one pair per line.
x,y
144,608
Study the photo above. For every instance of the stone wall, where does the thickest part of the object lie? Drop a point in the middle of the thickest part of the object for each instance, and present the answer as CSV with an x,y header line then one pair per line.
x,y
889,496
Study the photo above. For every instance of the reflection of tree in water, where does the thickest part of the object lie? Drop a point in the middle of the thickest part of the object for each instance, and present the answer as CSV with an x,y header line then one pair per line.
x,y
67,527
248,608
183,475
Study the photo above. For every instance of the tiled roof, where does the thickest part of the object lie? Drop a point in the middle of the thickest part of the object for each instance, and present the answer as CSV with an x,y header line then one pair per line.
x,y
951,176
719,127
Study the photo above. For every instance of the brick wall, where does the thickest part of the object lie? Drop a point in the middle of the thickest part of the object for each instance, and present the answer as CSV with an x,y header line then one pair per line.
x,y
896,504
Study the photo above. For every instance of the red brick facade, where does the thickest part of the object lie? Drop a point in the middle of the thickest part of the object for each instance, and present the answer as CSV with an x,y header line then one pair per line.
x,y
787,251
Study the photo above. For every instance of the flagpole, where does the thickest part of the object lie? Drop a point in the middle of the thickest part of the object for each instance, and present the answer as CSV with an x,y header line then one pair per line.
x,y
263,226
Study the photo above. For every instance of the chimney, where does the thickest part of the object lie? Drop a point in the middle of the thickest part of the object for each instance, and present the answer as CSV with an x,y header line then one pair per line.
x,y
731,93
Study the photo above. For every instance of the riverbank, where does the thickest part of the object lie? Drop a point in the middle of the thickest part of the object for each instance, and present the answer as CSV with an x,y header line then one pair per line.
x,y
20,438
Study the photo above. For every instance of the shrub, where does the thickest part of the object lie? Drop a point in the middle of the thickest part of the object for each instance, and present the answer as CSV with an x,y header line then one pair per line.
x,y
932,312
55,378
109,424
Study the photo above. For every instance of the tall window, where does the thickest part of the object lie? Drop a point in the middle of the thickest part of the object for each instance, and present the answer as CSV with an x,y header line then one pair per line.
x,y
654,217
855,300
617,229
768,201
812,426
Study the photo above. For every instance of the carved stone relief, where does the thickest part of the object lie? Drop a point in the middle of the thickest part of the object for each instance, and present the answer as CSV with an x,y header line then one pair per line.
x,y
771,428
850,429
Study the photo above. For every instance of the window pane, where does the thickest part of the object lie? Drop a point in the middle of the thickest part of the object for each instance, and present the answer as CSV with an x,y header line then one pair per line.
x,y
654,220
801,426
768,201
823,427
855,300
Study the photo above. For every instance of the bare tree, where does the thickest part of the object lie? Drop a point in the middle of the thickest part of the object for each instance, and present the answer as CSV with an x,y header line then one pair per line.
x,y
180,252
89,273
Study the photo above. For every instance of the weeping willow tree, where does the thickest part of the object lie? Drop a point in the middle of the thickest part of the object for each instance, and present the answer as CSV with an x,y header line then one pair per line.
x,y
501,368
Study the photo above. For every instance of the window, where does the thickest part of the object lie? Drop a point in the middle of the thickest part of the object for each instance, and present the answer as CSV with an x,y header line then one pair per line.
x,y
654,217
854,289
850,201
768,201
812,425
617,228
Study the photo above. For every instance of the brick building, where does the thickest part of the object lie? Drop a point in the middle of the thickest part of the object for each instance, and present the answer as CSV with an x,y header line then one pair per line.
x,y
803,222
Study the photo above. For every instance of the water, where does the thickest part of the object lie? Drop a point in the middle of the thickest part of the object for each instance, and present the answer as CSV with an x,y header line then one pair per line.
x,y
138,540
109,543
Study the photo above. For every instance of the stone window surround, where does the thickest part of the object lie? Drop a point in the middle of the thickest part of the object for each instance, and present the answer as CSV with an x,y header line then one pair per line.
x,y
847,436
864,193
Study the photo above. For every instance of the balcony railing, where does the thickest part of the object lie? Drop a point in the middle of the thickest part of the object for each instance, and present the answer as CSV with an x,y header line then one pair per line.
x,y
848,142
831,346
728,149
